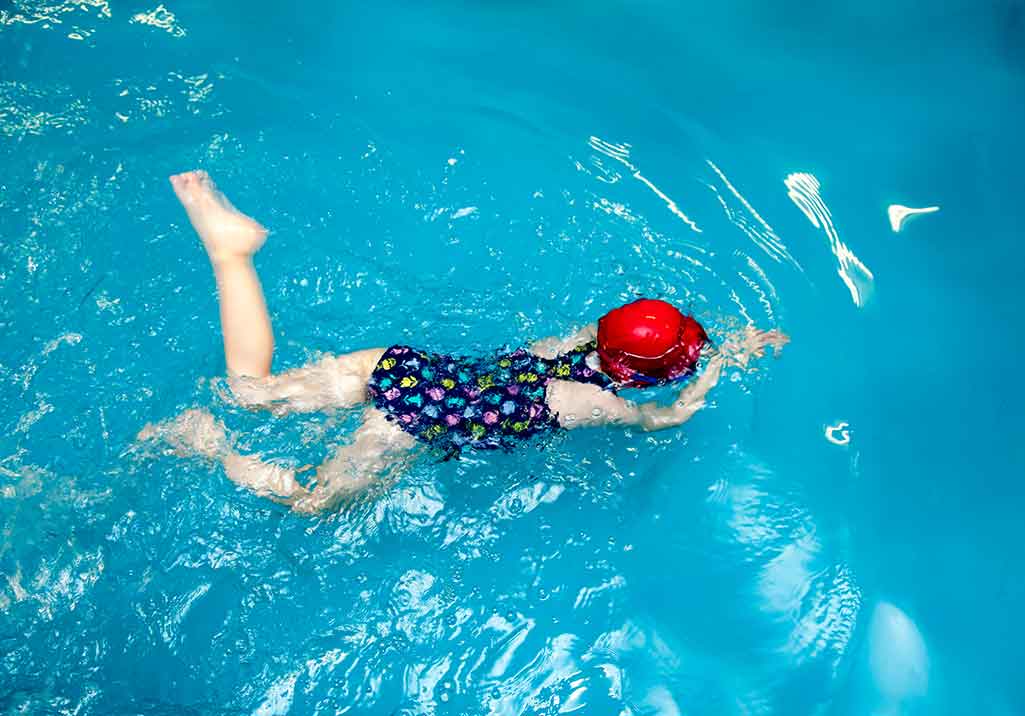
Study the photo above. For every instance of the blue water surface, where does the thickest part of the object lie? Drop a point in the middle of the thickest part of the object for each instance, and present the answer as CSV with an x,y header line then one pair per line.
x,y
839,533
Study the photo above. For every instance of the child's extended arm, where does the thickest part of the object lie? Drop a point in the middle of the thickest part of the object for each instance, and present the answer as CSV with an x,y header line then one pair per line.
x,y
584,405
581,405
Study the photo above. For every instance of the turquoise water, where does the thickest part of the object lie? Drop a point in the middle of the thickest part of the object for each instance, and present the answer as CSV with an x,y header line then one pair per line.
x,y
462,177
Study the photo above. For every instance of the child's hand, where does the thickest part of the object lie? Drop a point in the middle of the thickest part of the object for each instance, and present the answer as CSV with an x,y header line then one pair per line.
x,y
741,347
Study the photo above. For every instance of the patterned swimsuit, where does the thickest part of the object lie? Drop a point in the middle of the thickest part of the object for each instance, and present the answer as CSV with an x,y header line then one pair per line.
x,y
453,402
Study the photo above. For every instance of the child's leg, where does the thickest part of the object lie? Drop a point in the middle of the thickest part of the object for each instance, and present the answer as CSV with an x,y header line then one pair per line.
x,y
378,450
231,239
377,446
197,433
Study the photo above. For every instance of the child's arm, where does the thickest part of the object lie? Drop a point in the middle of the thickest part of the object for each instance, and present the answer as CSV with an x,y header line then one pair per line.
x,y
581,405
555,346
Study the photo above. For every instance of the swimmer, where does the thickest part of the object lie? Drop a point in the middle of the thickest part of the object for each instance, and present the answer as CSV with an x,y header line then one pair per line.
x,y
413,398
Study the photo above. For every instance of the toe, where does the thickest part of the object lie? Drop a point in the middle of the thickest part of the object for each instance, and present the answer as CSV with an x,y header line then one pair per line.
x,y
204,179
182,189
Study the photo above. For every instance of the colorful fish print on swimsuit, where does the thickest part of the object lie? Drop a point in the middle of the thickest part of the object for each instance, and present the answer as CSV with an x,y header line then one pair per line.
x,y
493,402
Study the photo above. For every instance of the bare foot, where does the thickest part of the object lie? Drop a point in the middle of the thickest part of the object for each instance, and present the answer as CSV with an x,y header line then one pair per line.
x,y
226,232
194,432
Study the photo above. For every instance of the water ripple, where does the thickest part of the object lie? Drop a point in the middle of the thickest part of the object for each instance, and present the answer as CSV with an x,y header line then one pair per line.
x,y
621,154
817,601
701,271
748,220
161,18
33,12
27,111
495,584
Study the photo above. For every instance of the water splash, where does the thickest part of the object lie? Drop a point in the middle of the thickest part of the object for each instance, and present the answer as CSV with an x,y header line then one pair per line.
x,y
803,190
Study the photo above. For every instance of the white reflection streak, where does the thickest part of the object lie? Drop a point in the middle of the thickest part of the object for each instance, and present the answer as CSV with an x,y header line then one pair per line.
x,y
803,190
735,297
501,664
758,291
899,215
621,153
769,241
838,434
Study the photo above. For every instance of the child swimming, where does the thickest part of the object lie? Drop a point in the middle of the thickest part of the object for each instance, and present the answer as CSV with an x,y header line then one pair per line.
x,y
413,397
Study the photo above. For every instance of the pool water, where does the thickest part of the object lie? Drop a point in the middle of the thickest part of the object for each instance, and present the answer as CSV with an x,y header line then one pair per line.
x,y
839,533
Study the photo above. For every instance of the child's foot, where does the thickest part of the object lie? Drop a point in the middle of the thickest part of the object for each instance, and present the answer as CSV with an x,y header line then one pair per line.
x,y
226,232
194,432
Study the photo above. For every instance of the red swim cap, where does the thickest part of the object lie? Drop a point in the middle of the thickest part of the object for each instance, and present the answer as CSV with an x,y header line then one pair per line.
x,y
648,342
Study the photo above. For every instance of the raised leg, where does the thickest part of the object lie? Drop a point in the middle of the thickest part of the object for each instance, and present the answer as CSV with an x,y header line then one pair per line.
x,y
231,238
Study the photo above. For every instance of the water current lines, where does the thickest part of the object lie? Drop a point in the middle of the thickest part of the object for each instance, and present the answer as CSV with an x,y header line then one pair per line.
x,y
751,222
621,153
803,190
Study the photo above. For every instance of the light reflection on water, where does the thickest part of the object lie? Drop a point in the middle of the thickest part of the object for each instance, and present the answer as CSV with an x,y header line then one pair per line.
x,y
803,190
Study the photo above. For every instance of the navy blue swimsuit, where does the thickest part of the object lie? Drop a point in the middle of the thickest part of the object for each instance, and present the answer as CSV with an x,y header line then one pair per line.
x,y
453,402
